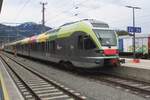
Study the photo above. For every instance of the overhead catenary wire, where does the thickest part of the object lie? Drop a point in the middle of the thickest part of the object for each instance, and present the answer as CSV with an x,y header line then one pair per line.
x,y
22,8
71,16
74,7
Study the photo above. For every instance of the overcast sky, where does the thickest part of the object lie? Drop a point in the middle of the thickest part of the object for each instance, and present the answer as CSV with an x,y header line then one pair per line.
x,y
59,12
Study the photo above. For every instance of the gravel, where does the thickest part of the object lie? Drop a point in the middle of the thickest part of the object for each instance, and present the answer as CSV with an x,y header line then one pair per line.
x,y
93,89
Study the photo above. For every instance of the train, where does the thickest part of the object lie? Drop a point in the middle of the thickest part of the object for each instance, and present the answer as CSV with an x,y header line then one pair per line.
x,y
86,43
142,45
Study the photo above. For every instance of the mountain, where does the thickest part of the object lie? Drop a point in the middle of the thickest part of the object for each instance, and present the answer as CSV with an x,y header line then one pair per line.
x,y
10,33
30,28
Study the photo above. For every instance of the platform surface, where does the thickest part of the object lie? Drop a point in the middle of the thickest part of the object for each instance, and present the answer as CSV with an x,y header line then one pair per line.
x,y
143,63
9,88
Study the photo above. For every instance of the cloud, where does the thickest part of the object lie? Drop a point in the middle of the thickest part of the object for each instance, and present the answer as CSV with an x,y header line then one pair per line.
x,y
59,12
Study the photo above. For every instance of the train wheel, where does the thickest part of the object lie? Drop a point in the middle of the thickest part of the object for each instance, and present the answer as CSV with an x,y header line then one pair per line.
x,y
69,65
66,65
61,64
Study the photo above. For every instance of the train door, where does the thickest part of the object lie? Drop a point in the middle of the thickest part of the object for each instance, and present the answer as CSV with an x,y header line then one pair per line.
x,y
89,46
74,50
71,47
52,48
86,46
43,48
61,50
46,48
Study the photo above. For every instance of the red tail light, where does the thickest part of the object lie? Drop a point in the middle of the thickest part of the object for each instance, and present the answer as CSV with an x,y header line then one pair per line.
x,y
117,51
110,52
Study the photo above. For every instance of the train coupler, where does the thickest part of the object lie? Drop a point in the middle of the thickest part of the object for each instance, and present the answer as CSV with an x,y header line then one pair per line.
x,y
122,61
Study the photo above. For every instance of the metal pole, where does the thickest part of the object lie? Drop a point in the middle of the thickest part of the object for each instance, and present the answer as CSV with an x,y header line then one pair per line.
x,y
134,53
134,49
43,14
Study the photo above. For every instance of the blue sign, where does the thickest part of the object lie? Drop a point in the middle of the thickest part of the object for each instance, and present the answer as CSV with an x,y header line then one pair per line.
x,y
134,29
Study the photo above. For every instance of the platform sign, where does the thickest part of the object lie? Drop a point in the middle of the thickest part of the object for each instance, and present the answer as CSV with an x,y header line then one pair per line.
x,y
134,29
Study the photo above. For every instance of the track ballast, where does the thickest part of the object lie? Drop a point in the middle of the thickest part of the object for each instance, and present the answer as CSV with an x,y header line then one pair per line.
x,y
35,86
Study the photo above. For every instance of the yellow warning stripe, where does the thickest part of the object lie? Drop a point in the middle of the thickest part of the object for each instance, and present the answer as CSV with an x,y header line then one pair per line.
x,y
4,90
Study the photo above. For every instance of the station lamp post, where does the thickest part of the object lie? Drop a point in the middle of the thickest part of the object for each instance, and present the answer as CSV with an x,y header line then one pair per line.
x,y
133,9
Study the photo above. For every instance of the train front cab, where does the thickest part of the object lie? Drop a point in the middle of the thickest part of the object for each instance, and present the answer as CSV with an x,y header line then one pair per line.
x,y
106,55
83,51
109,46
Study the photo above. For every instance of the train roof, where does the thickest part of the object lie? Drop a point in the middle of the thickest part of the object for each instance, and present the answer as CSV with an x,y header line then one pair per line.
x,y
85,25
24,41
33,39
42,37
95,23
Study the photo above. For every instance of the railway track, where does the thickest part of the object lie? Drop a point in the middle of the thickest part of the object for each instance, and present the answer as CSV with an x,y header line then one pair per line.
x,y
35,86
130,85
134,86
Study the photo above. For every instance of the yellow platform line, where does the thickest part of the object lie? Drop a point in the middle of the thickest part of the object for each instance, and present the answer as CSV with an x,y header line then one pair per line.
x,y
4,89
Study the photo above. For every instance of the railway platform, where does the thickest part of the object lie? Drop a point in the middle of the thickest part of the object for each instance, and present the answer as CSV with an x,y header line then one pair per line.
x,y
9,89
140,63
136,70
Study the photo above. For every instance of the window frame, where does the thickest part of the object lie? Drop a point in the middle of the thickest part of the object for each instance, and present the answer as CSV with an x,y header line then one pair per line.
x,y
81,42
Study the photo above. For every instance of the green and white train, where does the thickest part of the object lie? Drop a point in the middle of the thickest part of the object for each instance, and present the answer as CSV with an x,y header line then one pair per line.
x,y
86,43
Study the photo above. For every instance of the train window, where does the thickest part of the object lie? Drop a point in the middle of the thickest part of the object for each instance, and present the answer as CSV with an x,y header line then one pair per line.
x,y
80,42
42,46
53,45
88,43
31,47
46,46
36,46
85,42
